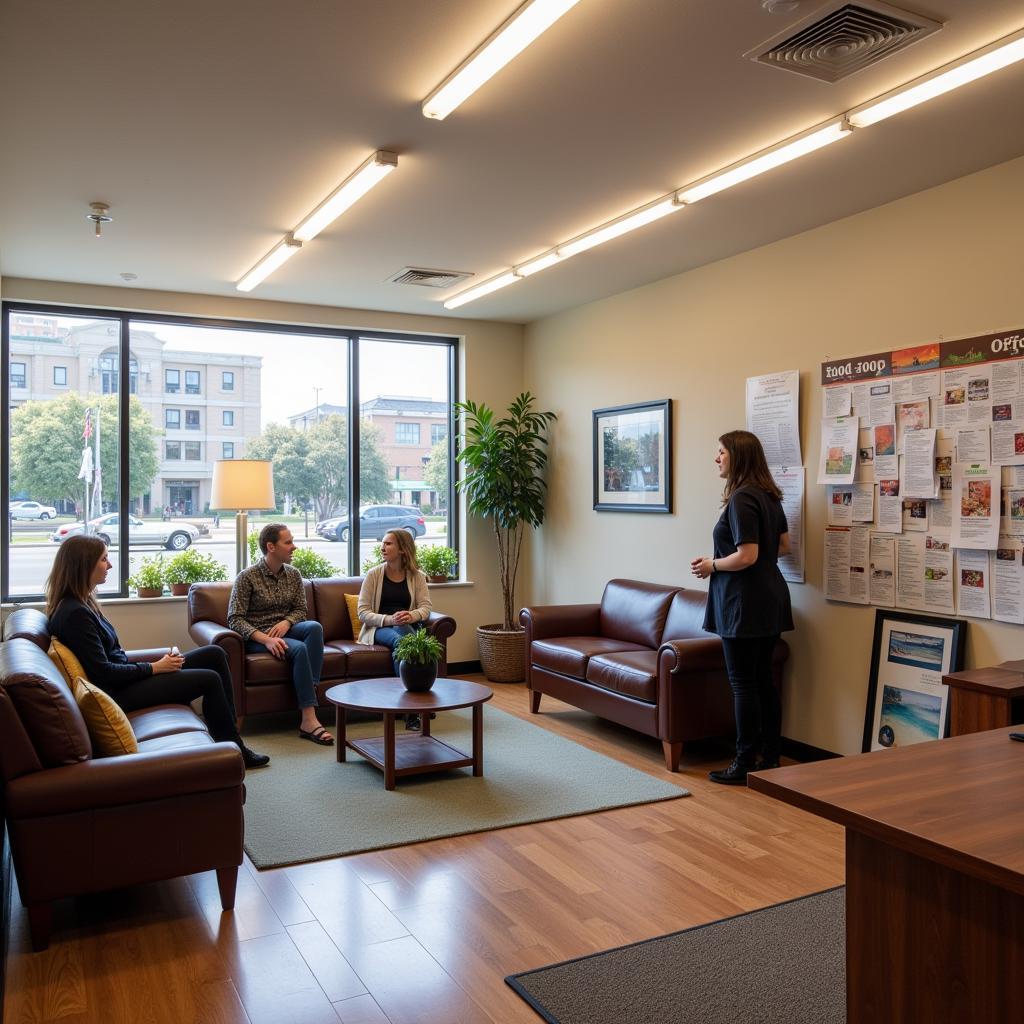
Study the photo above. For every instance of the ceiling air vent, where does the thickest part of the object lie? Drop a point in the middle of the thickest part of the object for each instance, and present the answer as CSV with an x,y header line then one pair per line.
x,y
429,278
844,40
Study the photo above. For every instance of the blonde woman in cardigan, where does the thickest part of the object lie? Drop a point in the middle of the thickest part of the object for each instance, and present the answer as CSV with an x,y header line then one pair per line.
x,y
394,599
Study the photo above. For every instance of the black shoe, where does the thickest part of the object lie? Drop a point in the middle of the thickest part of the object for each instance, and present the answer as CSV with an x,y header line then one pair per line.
x,y
413,723
734,775
766,764
252,759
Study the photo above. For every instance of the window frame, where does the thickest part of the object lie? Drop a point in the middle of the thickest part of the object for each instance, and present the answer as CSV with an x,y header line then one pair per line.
x,y
197,446
175,387
23,376
227,417
419,433
193,389
193,415
167,419
224,384
167,456
60,383
224,446
349,339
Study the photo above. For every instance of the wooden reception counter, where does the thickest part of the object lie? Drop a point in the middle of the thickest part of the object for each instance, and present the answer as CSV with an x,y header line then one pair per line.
x,y
934,874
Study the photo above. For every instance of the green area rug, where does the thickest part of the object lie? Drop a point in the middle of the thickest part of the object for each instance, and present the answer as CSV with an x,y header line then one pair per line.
x,y
785,963
305,806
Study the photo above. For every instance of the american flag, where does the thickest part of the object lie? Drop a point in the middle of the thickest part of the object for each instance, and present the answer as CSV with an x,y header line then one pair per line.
x,y
87,432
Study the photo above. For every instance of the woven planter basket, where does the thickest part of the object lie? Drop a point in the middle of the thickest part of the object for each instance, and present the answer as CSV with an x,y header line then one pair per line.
x,y
502,654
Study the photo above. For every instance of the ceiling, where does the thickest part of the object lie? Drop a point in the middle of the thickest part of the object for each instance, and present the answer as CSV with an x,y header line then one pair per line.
x,y
211,129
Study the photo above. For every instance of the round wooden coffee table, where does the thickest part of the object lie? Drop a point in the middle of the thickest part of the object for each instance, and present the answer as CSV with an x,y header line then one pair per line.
x,y
413,752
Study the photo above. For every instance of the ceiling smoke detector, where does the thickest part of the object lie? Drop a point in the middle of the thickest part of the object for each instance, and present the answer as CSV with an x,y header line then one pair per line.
x,y
843,40
99,214
426,278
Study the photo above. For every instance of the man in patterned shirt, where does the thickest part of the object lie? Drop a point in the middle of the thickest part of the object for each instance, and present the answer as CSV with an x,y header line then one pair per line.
x,y
268,607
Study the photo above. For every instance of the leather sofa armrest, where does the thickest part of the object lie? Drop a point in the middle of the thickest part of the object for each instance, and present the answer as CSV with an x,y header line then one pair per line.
x,y
696,654
542,621
206,631
128,779
440,625
151,654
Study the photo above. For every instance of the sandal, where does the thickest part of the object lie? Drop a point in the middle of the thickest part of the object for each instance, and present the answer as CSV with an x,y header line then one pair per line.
x,y
318,736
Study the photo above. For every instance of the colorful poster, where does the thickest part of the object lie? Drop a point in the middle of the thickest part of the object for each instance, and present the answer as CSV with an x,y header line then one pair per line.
x,y
976,505
837,463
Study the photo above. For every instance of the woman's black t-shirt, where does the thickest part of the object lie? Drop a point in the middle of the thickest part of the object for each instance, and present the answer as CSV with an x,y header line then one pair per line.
x,y
394,597
754,601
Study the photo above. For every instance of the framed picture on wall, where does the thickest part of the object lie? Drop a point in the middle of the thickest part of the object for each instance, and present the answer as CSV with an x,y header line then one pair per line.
x,y
633,457
907,701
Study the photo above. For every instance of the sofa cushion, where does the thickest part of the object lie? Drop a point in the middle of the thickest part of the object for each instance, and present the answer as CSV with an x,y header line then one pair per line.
x,y
569,655
66,661
635,611
261,669
176,740
164,720
110,732
367,660
327,603
685,616
352,602
631,673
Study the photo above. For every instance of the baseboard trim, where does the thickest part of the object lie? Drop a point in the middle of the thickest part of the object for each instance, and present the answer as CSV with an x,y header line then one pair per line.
x,y
464,668
804,752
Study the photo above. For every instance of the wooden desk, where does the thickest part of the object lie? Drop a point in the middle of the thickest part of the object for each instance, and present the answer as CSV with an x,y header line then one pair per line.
x,y
985,698
934,874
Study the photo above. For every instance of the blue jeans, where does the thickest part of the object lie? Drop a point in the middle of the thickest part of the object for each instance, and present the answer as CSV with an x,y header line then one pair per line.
x,y
388,636
305,657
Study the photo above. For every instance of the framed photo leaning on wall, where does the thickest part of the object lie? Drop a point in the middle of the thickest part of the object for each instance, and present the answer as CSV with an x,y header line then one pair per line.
x,y
907,700
633,457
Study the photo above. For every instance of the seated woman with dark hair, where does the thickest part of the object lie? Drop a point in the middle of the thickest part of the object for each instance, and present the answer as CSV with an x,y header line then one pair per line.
x,y
76,621
394,600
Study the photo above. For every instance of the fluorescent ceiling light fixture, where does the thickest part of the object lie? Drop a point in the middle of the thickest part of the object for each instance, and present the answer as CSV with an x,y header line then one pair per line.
x,y
349,192
630,222
501,281
774,157
530,21
538,263
283,251
999,55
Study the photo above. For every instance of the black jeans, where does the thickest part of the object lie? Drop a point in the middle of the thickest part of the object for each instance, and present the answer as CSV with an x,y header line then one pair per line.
x,y
205,674
756,704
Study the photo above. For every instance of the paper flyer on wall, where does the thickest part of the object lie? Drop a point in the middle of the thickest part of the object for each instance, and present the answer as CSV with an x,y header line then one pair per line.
x,y
1005,381
972,445
919,477
846,563
838,401
850,504
911,416
1013,513
890,507
938,574
1007,575
837,462
790,480
773,414
915,385
886,459
966,395
973,584
976,505
910,571
881,408
882,569
1008,443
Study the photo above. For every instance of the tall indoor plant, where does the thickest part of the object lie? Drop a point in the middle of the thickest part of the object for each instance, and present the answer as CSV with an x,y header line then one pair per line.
x,y
503,462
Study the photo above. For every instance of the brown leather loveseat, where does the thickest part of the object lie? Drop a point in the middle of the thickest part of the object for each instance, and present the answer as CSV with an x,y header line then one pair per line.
x,y
80,824
640,658
262,682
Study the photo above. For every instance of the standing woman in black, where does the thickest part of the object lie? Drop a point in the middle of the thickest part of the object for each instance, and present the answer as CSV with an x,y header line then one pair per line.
x,y
76,621
748,600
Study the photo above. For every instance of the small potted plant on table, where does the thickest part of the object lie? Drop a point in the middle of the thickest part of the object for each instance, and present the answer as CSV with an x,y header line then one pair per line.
x,y
190,566
438,562
417,654
148,579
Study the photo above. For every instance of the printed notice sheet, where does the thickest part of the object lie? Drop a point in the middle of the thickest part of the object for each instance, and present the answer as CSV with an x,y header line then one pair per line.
x,y
919,477
837,463
890,507
1008,443
773,414
938,574
973,589
973,445
850,504
976,505
910,571
846,563
791,482
1007,574
882,559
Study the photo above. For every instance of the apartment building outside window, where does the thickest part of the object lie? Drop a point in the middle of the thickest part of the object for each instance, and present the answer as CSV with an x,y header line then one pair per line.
x,y
191,419
172,381
172,419
60,376
191,382
227,380
407,433
228,418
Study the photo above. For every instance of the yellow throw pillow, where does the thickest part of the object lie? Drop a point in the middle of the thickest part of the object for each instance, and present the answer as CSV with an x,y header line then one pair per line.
x,y
352,600
109,728
64,658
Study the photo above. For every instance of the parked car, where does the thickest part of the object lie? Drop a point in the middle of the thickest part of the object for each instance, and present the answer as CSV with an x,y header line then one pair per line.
x,y
31,510
374,522
174,535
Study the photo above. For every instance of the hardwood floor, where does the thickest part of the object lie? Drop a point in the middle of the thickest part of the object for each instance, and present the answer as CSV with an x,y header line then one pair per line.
x,y
425,933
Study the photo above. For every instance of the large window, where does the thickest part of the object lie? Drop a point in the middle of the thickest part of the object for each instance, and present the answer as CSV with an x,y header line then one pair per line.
x,y
407,433
341,478
60,376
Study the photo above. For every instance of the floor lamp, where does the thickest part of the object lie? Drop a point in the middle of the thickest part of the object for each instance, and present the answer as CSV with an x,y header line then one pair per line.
x,y
239,485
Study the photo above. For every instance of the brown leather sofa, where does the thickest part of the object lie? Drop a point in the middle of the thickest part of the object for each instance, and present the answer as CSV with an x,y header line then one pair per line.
x,y
262,682
79,824
640,658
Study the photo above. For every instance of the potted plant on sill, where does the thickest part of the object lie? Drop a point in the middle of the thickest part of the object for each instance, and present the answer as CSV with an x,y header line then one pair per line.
x,y
438,562
417,654
503,482
190,566
148,579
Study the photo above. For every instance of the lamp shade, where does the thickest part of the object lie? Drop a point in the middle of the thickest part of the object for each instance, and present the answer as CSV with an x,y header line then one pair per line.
x,y
242,484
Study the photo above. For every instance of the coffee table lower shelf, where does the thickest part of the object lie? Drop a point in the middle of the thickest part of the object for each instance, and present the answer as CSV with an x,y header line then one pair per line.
x,y
413,754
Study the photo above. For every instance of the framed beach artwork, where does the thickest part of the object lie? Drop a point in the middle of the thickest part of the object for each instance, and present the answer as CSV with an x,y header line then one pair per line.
x,y
633,457
907,701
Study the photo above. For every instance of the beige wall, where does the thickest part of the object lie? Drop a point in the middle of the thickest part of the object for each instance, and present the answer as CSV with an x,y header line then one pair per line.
x,y
944,263
490,371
